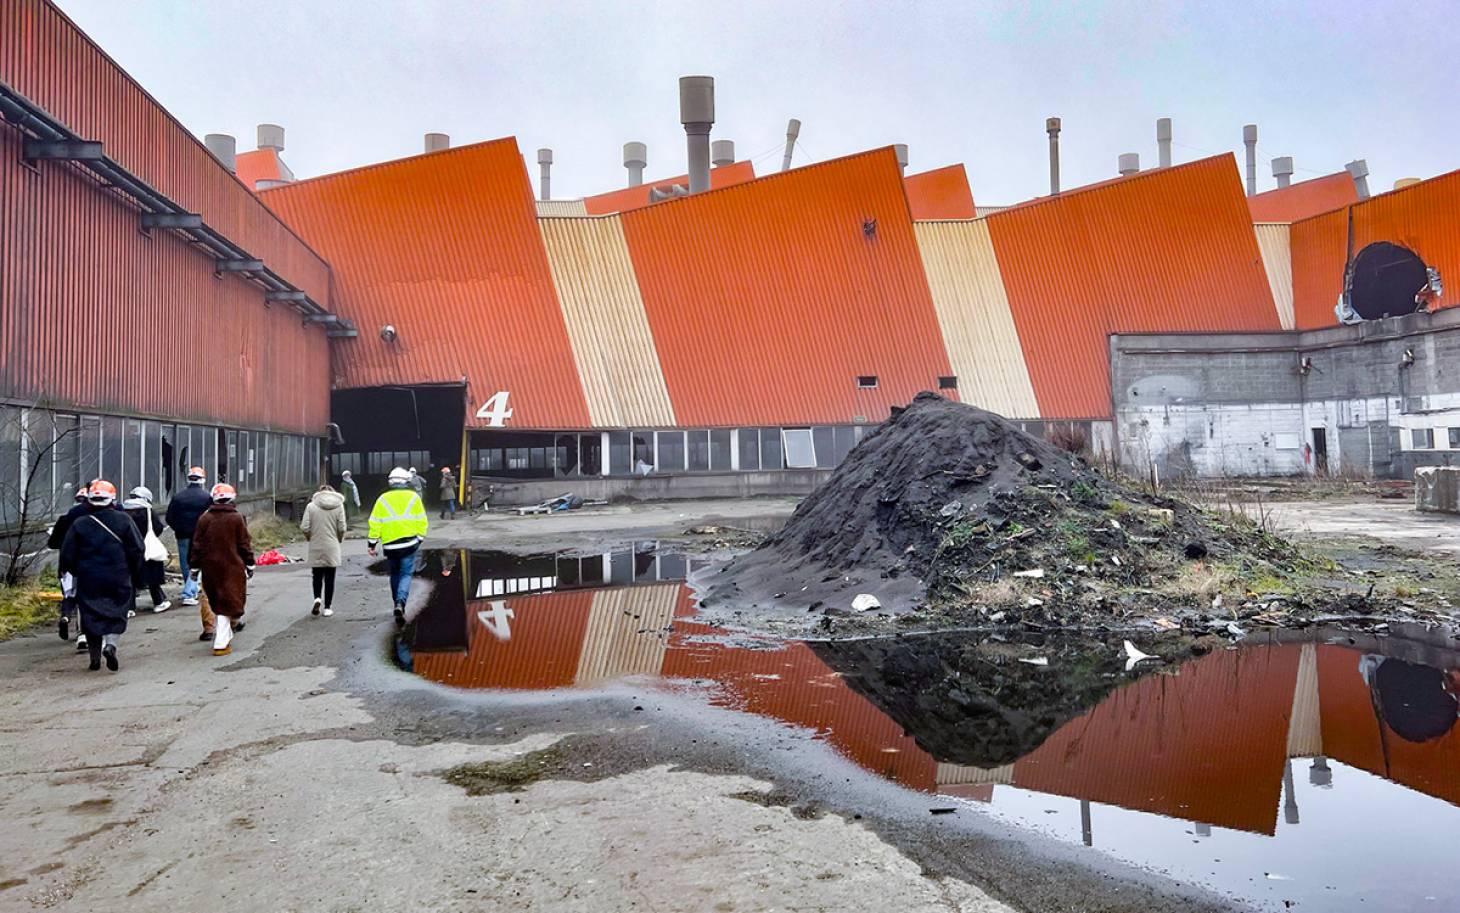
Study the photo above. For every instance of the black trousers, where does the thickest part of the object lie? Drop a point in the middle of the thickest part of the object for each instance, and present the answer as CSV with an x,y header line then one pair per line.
x,y
324,580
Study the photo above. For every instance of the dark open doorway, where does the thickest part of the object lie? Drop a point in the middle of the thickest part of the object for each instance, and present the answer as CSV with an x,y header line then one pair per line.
x,y
1320,451
384,427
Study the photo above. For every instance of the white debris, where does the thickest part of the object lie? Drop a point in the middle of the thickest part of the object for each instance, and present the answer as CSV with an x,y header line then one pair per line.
x,y
1134,656
1235,631
1115,560
1035,660
1031,602
865,602
1034,574
1217,601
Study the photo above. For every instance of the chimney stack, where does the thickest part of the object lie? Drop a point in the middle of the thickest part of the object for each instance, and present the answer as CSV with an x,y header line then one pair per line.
x,y
1282,170
793,130
545,182
1052,127
901,150
697,114
1249,139
1128,163
435,142
271,136
1163,142
1358,169
224,148
636,158
722,152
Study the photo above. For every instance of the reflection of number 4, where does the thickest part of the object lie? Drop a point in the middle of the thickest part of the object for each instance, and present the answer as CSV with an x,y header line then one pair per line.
x,y
495,410
497,620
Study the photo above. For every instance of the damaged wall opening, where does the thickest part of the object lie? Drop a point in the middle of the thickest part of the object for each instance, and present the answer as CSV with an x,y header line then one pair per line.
x,y
384,427
1384,281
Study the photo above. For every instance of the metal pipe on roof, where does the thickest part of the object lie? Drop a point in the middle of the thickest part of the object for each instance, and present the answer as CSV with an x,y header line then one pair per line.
x,y
1128,163
1249,139
435,142
1282,170
697,114
1052,127
1358,169
271,136
1163,142
636,158
793,130
545,179
901,150
722,152
224,148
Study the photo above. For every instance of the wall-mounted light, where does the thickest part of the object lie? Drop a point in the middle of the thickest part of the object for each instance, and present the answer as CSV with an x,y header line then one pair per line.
x,y
387,332
1305,365
1407,360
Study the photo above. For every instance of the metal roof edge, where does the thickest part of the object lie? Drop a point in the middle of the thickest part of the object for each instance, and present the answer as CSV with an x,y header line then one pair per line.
x,y
1112,182
386,164
1387,193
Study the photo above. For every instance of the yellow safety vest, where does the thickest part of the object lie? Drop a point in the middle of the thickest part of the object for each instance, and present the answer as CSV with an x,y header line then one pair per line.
x,y
398,515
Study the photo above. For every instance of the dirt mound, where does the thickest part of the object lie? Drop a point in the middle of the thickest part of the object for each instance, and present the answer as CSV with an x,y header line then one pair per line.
x,y
947,508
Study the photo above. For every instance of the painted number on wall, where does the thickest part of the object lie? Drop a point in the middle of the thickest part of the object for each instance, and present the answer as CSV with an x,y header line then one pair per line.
x,y
495,410
498,620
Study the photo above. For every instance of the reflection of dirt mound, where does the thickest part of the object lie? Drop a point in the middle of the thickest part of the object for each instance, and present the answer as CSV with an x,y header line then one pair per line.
x,y
967,700
944,500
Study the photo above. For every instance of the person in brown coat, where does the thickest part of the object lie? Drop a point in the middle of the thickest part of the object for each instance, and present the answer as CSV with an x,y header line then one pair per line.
x,y
223,553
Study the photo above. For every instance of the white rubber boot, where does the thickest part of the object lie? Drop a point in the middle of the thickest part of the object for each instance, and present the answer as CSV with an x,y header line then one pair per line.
x,y
223,636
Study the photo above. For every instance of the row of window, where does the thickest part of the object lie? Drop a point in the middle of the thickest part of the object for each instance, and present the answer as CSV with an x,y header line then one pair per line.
x,y
379,462
1424,438
45,456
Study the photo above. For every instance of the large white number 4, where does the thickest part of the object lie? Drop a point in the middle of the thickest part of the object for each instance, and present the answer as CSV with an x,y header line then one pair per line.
x,y
495,410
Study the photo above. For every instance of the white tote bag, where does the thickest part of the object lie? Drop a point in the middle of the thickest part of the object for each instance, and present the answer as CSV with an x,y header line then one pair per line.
x,y
154,549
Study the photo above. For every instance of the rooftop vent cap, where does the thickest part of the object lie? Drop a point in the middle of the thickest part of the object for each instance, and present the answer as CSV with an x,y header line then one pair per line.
x,y
435,142
271,136
224,148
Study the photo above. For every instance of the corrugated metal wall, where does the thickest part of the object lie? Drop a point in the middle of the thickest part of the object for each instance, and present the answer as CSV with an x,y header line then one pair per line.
x,y
1319,254
446,248
1303,199
1168,250
628,198
627,632
973,312
1277,259
940,194
612,345
561,208
768,300
95,315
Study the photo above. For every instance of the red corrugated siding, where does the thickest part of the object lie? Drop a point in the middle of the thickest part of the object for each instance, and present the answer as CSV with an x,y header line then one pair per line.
x,y
635,197
547,636
767,300
94,315
1170,250
1303,199
258,165
940,194
446,248
46,58
1421,217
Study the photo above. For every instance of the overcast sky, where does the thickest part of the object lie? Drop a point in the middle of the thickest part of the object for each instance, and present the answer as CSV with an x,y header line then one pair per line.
x,y
355,83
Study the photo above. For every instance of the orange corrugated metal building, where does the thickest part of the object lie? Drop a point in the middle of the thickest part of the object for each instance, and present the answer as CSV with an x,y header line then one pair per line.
x,y
940,194
1170,250
258,165
1303,199
628,198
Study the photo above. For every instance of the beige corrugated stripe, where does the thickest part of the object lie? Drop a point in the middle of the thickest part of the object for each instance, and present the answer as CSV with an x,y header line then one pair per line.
x,y
962,774
561,209
973,313
1277,259
1305,727
607,325
625,633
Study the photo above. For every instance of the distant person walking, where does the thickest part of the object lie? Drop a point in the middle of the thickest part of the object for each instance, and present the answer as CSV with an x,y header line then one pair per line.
x,y
223,554
54,541
138,506
183,512
351,491
104,554
448,493
418,484
397,525
324,524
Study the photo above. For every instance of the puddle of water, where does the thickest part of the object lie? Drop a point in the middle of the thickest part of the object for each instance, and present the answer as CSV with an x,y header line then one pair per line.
x,y
1321,774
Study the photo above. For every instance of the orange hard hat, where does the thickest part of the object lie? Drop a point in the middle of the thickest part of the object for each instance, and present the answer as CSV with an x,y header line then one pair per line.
x,y
101,492
197,472
224,492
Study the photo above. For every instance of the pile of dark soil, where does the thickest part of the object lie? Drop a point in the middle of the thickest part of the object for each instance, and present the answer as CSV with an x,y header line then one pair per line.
x,y
954,512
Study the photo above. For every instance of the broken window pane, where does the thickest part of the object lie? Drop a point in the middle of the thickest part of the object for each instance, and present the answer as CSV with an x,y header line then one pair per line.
x,y
800,452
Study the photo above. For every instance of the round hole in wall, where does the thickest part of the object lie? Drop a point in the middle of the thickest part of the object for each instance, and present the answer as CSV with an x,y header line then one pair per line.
x,y
1384,280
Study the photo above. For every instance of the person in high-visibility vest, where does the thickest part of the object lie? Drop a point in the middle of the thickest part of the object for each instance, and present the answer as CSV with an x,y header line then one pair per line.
x,y
399,522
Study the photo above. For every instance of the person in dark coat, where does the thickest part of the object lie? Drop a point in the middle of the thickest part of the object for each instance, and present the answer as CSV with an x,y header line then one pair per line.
x,y
104,553
223,555
138,506
54,541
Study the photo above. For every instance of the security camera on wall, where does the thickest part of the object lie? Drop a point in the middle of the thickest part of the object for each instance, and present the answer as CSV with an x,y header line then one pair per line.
x,y
387,332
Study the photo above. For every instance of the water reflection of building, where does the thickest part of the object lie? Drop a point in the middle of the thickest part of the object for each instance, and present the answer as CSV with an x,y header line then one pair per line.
x,y
1211,741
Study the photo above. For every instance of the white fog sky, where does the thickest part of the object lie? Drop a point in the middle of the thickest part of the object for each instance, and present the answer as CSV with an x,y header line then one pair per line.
x,y
356,82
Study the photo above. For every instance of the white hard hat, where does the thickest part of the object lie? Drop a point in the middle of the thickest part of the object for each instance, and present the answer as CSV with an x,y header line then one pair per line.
x,y
398,476
142,493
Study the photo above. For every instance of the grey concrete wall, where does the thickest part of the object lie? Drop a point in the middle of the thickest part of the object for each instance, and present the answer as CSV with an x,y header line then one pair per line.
x,y
657,488
1437,489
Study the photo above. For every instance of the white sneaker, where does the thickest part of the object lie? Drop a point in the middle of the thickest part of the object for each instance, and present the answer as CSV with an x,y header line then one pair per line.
x,y
317,603
190,600
81,643
162,606
327,612
131,613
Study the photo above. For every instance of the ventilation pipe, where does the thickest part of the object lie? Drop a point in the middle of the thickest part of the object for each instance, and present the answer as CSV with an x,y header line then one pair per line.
x,y
636,158
901,150
697,114
1052,127
1249,139
1163,142
1282,170
435,142
722,152
224,148
1358,169
793,130
1128,163
545,181
271,136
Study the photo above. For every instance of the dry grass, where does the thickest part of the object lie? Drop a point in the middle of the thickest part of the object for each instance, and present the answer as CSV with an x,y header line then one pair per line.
x,y
1203,580
34,601
268,531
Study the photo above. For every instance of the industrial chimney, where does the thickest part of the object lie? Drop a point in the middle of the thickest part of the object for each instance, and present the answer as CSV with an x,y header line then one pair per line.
x,y
793,130
1358,169
636,158
1052,127
722,152
271,136
435,142
1163,142
224,148
545,181
1128,163
1282,170
697,114
1249,139
901,150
